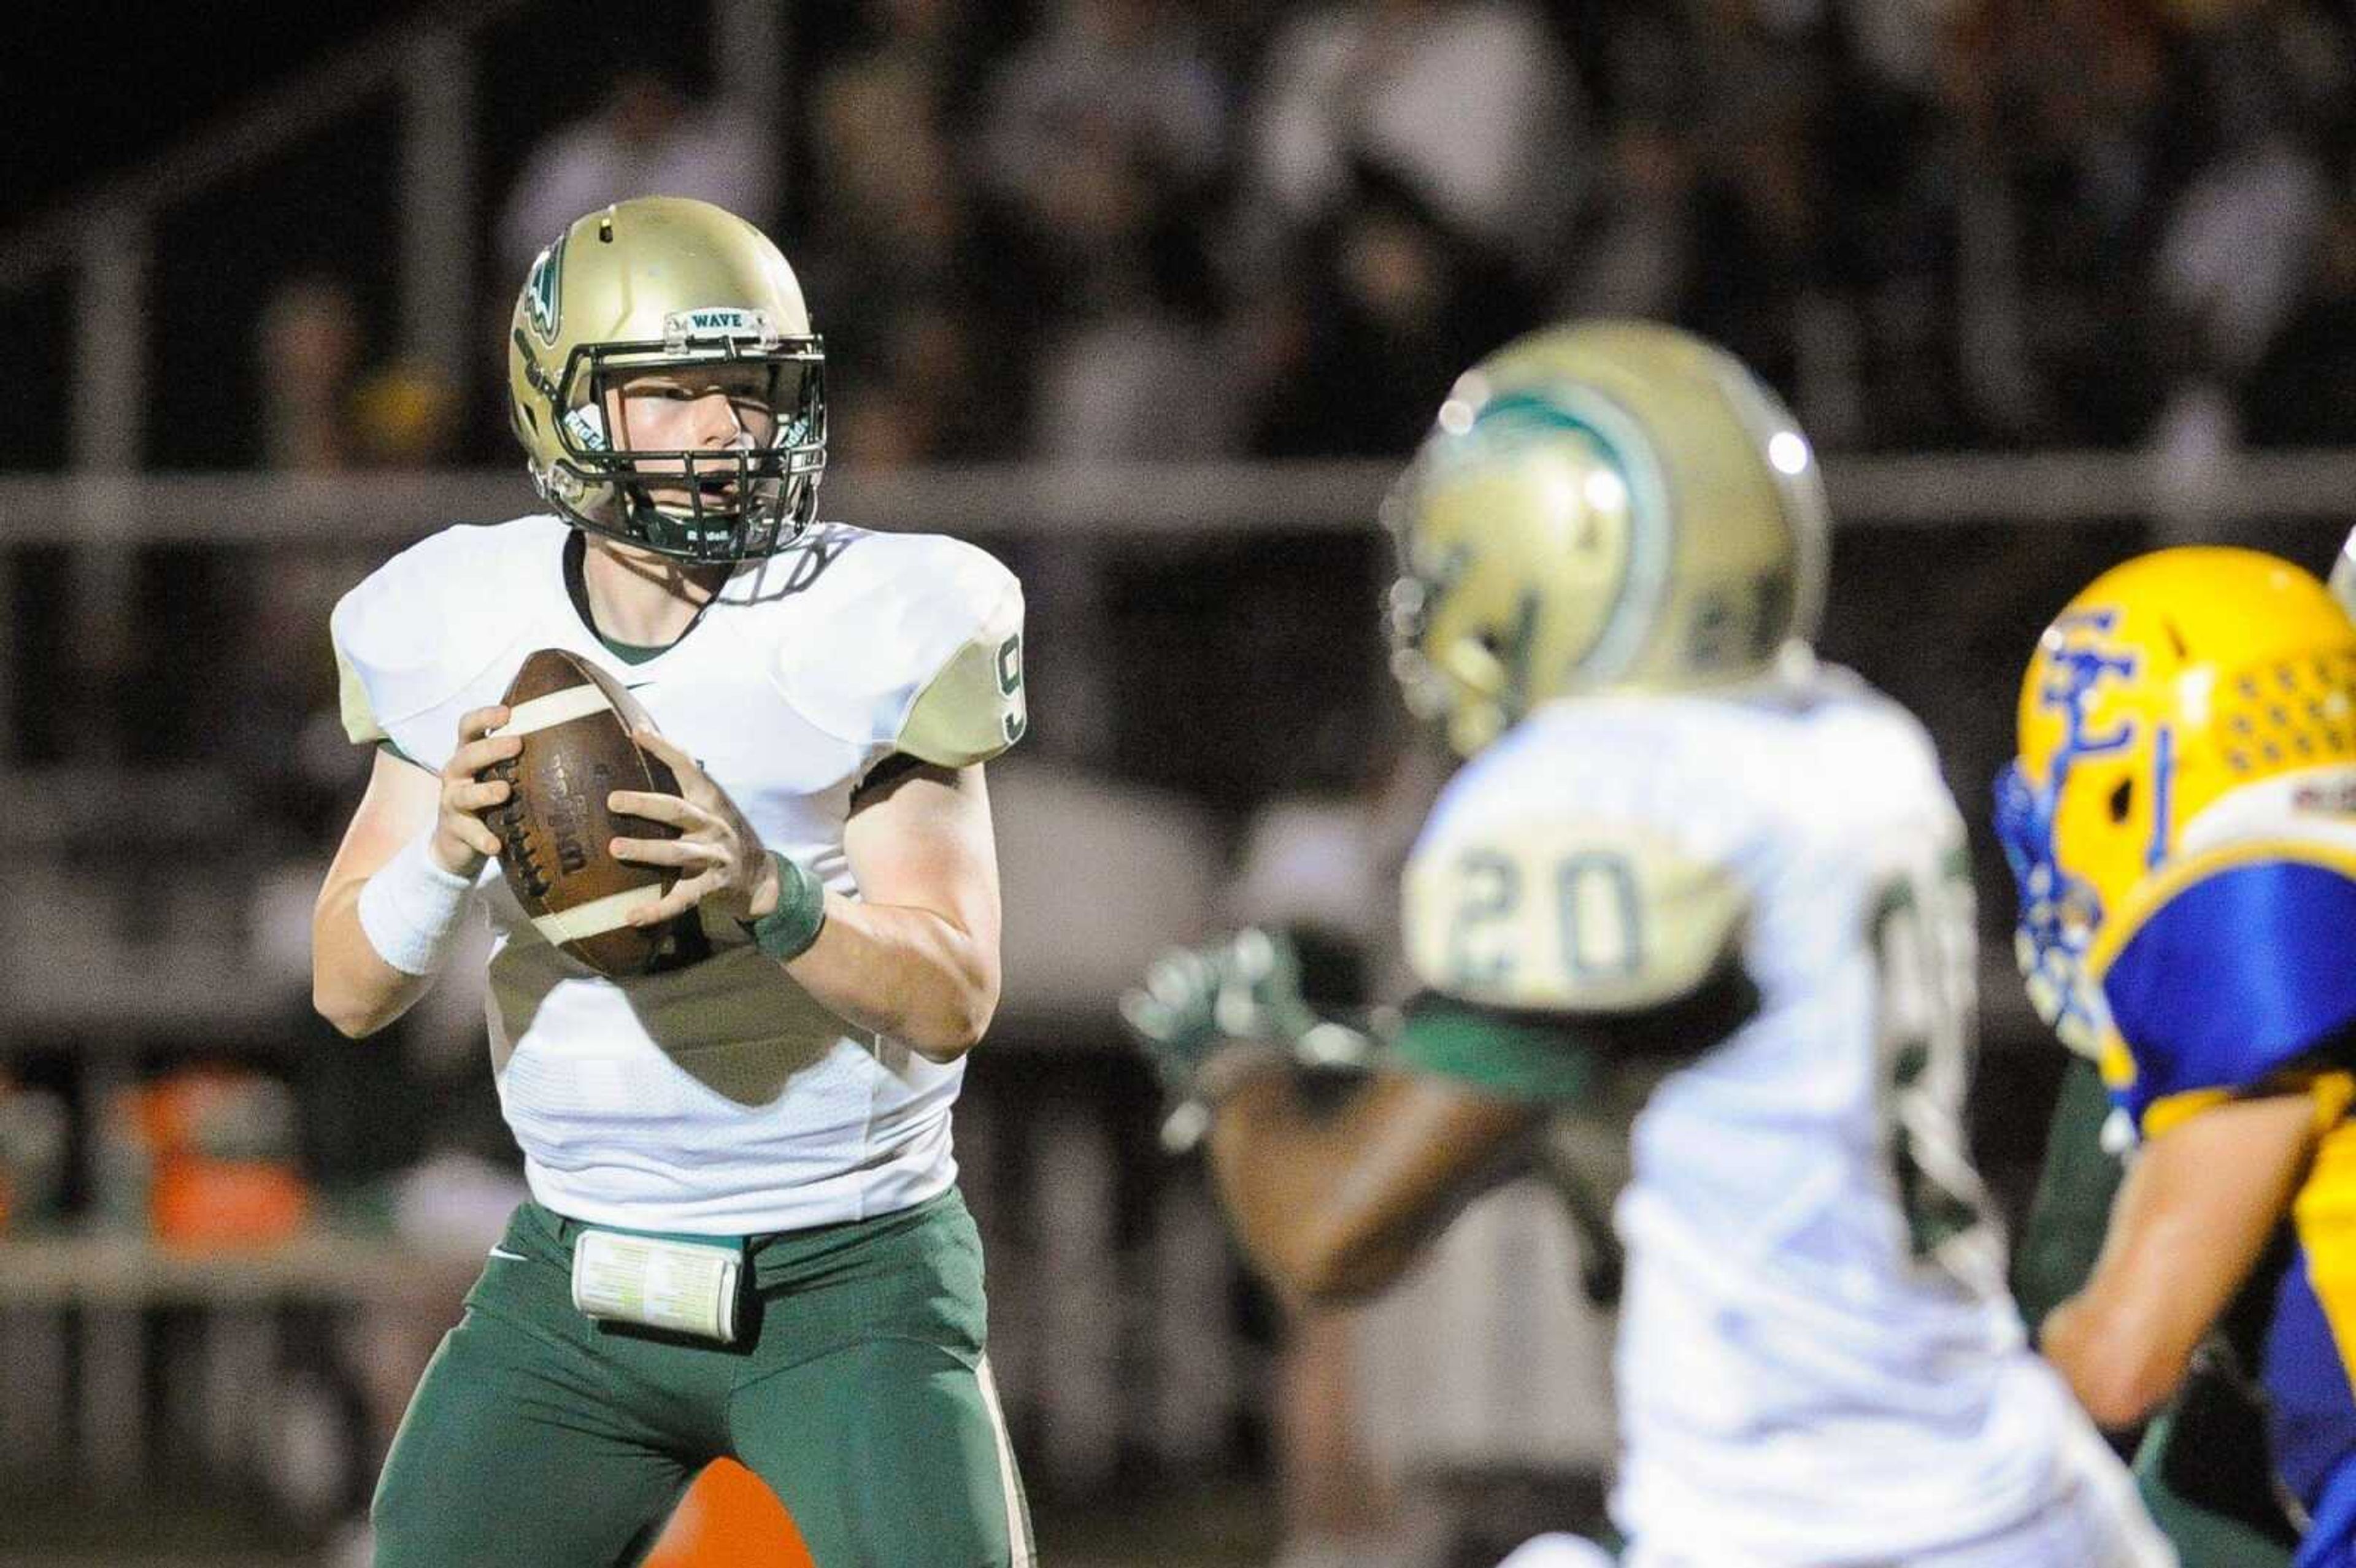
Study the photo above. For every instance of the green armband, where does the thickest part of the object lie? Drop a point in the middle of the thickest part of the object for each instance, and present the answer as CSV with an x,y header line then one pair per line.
x,y
786,933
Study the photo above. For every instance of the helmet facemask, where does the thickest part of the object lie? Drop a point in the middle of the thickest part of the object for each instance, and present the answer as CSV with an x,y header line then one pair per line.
x,y
728,504
1477,690
2059,914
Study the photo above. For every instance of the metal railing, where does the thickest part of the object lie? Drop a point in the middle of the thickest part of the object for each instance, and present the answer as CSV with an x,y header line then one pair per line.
x,y
105,239
1111,502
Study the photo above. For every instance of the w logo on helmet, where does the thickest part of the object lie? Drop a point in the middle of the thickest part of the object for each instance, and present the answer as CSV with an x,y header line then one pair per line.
x,y
540,299
2074,673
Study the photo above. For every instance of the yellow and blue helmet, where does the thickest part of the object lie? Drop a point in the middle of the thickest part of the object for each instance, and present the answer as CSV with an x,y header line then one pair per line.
x,y
2175,690
1609,506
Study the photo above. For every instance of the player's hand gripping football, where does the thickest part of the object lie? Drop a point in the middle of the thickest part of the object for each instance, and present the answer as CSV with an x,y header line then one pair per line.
x,y
1243,991
462,839
720,858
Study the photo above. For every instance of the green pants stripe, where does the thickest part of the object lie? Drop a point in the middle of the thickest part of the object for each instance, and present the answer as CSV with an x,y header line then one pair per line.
x,y
858,1390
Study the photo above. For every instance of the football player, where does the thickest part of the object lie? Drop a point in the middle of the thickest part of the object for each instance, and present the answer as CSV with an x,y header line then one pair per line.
x,y
1696,889
2200,1463
2182,822
745,1237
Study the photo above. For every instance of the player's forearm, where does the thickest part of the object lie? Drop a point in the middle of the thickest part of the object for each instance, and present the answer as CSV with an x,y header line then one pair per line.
x,y
390,909
2197,1207
351,985
904,972
1320,1231
2121,1371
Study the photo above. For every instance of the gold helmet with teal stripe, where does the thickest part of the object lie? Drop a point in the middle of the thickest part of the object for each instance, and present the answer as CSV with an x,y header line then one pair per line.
x,y
2188,695
661,286
1606,505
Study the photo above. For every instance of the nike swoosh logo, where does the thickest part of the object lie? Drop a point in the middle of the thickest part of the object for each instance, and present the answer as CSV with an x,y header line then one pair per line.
x,y
511,1257
637,686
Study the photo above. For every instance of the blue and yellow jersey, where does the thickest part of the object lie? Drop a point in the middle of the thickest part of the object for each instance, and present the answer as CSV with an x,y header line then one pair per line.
x,y
2234,972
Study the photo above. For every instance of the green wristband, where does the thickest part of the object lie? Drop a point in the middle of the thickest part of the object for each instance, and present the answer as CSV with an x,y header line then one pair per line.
x,y
786,933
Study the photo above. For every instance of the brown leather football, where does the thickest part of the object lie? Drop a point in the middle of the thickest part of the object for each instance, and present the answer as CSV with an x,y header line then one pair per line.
x,y
575,719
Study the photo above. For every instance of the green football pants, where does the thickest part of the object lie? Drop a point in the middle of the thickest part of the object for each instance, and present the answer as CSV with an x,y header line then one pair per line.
x,y
857,1389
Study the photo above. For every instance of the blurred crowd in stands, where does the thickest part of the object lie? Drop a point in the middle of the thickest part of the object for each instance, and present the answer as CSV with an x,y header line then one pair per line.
x,y
1181,228
1175,228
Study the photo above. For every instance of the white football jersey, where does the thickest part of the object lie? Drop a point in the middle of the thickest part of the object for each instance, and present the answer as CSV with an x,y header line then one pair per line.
x,y
718,1099
1816,1359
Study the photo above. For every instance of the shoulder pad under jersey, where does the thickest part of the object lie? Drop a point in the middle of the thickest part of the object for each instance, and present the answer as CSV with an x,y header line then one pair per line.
x,y
1559,873
430,619
2228,969
902,641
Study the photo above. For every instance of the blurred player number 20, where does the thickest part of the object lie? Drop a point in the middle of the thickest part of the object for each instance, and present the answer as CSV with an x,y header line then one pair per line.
x,y
1564,922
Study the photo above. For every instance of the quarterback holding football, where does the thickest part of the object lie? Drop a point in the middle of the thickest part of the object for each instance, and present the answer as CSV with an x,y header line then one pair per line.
x,y
1696,906
745,1237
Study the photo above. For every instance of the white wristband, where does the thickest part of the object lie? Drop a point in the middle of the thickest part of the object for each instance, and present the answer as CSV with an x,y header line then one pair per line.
x,y
410,910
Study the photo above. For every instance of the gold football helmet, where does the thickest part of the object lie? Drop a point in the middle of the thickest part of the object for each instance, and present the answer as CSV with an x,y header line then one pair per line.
x,y
1609,506
2175,688
667,285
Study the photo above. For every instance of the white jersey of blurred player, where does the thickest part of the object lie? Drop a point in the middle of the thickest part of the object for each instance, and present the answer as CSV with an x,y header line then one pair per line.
x,y
719,1098
1818,1362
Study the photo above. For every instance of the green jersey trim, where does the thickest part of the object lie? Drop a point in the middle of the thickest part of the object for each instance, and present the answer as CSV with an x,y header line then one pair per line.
x,y
1554,1057
1516,1057
630,653
576,588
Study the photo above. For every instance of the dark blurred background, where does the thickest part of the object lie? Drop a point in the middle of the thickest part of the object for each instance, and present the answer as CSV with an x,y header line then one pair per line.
x,y
1151,297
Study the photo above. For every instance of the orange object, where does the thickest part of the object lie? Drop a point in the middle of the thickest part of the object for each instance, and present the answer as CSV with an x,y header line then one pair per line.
x,y
730,1518
207,1203
173,1109
207,1155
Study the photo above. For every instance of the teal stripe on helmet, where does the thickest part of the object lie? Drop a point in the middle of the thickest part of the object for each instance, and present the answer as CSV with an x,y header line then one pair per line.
x,y
1650,514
